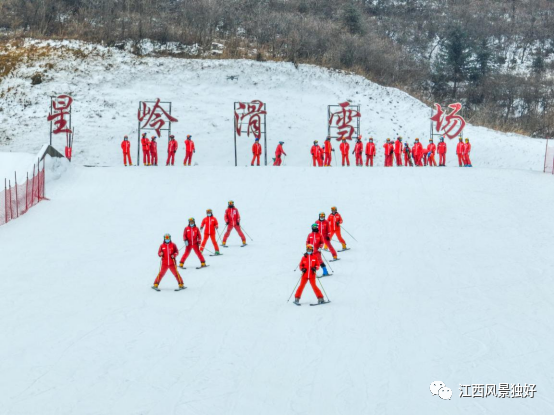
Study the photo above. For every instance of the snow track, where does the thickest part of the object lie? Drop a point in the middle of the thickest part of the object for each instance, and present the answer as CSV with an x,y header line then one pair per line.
x,y
451,281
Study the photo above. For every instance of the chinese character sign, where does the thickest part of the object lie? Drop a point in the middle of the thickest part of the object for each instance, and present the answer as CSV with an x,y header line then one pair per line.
x,y
449,125
343,120
60,113
251,113
155,117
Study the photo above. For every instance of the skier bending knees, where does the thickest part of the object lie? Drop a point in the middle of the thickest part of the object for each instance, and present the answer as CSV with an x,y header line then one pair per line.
x,y
308,266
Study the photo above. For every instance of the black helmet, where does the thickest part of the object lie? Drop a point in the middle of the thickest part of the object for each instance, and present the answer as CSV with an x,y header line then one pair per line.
x,y
315,227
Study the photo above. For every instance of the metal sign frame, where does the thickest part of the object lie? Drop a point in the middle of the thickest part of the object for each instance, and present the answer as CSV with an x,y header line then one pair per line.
x,y
263,129
355,107
140,129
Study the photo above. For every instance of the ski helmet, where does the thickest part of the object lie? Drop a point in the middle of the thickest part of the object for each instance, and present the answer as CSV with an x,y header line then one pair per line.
x,y
321,214
328,138
231,203
167,237
209,211
143,134
257,139
192,221
189,137
467,140
461,139
333,209
441,139
309,248
430,140
281,142
172,136
315,227
400,138
125,137
371,139
406,144
417,140
153,137
316,142
388,140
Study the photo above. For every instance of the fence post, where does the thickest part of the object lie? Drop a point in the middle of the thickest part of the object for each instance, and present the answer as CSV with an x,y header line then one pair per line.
x,y
27,193
38,182
44,177
16,200
10,191
33,188
5,201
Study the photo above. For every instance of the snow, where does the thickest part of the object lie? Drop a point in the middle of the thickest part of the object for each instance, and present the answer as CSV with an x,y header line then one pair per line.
x,y
108,83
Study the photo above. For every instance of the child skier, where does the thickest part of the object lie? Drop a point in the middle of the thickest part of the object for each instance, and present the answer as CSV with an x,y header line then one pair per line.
x,y
126,147
308,266
168,251
232,220
335,220
210,224
191,237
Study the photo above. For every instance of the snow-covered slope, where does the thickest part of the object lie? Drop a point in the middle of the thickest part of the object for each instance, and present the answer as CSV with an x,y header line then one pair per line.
x,y
107,85
450,280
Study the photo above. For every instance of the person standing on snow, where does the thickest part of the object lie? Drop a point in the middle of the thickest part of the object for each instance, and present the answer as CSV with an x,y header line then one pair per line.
x,y
407,155
327,152
314,239
466,150
335,220
369,152
460,152
431,148
209,225
278,152
323,226
126,147
389,149
441,150
417,151
232,220
358,150
308,267
189,150
154,151
191,237
319,155
256,152
145,150
168,251
171,150
344,149
314,151
398,151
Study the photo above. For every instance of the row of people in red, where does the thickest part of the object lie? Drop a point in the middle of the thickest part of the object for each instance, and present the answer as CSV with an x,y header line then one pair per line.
x,y
150,150
323,230
168,251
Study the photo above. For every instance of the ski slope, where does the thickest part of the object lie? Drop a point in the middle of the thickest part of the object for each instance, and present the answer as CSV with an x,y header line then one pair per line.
x,y
107,85
450,280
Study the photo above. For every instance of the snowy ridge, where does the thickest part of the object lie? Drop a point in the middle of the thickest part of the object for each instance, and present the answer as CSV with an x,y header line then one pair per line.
x,y
108,83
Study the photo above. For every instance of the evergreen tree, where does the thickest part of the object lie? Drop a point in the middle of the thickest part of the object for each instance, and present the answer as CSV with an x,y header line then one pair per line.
x,y
351,19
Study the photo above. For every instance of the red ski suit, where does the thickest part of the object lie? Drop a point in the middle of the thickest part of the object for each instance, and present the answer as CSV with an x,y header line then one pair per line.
x,y
171,150
431,148
441,150
154,152
389,149
358,150
168,252
315,240
314,151
398,152
145,150
344,149
460,153
126,147
335,220
319,156
189,150
369,153
466,150
328,150
232,219
407,153
278,152
256,153
417,151
309,262
324,231
209,224
191,237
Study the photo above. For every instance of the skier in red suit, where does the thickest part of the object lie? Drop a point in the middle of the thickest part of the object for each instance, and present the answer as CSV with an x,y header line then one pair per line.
x,y
314,238
323,226
369,152
145,150
441,150
407,155
389,149
278,152
328,150
189,150
466,151
319,155
171,150
398,151
154,151
314,151
191,237
126,147
460,152
358,150
431,149
232,219
417,151
168,251
256,152
308,266
344,149
335,220
209,225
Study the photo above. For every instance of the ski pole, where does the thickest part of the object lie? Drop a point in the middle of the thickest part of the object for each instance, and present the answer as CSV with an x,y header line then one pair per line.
x,y
349,233
245,232
323,289
208,250
328,264
335,157
294,289
226,225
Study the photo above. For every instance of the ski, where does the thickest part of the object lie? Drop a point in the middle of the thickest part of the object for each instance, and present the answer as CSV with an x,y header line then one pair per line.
x,y
244,245
215,255
182,267
180,288
333,260
297,304
156,289
344,249
315,304
224,246
202,267
325,275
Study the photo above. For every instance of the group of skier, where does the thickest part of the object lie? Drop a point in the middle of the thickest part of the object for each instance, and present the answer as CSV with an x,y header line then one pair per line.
x,y
323,231
169,252
150,150
416,155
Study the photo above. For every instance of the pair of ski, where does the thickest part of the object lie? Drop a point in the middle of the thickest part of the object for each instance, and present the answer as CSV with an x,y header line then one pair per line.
x,y
243,245
201,267
157,289
313,304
